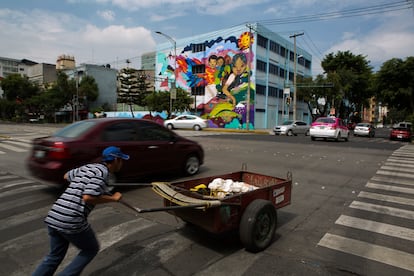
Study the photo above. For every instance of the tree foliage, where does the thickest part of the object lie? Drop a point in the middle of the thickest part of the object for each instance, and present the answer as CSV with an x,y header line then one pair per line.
x,y
394,83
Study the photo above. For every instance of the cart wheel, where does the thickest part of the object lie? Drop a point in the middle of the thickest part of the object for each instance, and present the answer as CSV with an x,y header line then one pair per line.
x,y
258,225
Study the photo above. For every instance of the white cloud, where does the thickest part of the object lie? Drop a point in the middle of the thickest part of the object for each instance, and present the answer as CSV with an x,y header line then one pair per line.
x,y
108,15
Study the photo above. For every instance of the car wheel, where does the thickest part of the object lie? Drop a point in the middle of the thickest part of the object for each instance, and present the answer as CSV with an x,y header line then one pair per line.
x,y
197,127
313,138
258,225
307,133
170,126
192,165
289,133
338,136
347,137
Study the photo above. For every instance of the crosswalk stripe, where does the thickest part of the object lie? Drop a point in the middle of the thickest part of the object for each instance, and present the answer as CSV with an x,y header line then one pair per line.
x,y
111,236
13,148
392,180
387,198
389,188
19,143
400,161
386,210
23,217
370,251
399,165
397,168
376,227
394,173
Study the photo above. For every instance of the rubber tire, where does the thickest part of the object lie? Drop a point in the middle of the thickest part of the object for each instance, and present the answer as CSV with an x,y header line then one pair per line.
x,y
338,137
191,165
258,225
313,138
347,138
170,126
197,127
289,133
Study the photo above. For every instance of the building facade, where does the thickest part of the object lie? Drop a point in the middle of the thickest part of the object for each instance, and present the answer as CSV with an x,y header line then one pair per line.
x,y
239,77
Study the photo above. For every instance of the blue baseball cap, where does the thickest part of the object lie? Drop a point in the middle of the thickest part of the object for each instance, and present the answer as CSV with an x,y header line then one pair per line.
x,y
111,153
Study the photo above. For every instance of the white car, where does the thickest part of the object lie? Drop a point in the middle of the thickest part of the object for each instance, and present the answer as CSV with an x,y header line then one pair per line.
x,y
364,129
186,121
291,127
329,128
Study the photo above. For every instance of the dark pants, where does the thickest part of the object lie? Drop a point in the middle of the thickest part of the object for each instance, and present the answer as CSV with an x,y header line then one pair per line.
x,y
59,243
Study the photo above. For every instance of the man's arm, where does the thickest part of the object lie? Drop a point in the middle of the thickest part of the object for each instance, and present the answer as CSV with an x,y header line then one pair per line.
x,y
102,198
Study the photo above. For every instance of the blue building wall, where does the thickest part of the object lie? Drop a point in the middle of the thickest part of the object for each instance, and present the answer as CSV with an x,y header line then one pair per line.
x,y
235,75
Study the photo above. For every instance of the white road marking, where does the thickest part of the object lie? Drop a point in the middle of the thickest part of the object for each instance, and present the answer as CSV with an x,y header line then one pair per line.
x,y
370,251
390,188
377,227
375,208
387,198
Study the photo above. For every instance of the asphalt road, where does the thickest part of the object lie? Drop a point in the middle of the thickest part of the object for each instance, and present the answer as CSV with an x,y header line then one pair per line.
x,y
337,187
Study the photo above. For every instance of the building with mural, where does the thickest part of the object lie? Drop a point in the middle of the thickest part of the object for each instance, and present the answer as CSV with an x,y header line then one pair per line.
x,y
239,77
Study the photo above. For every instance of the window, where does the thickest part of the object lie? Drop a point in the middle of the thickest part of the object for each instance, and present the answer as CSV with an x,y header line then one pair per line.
x,y
274,47
198,90
153,132
260,89
273,91
200,47
273,69
124,131
282,73
199,69
261,41
282,51
261,65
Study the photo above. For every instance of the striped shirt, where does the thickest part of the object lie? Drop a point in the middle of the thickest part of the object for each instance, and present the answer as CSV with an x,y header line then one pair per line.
x,y
69,213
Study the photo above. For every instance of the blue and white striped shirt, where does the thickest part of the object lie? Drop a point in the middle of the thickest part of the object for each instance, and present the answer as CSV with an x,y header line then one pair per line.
x,y
69,213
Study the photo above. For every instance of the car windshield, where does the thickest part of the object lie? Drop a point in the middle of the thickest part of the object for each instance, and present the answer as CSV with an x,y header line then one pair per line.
x,y
325,120
75,129
363,125
286,123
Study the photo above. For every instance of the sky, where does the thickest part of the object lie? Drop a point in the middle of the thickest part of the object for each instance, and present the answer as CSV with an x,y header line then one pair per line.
x,y
114,31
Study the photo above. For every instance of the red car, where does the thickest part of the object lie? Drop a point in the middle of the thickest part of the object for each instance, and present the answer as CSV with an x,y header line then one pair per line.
x,y
153,149
401,133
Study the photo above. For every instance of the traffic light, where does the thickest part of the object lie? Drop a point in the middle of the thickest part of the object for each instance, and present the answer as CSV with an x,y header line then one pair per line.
x,y
288,100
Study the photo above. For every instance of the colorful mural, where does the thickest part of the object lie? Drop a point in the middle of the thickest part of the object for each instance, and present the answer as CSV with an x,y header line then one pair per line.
x,y
228,70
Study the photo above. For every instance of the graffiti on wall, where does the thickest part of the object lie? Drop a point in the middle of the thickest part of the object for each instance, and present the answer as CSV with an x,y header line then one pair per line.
x,y
225,78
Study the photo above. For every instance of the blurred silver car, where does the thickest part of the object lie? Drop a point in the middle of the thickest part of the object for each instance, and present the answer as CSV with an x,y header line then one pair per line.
x,y
186,121
364,129
292,127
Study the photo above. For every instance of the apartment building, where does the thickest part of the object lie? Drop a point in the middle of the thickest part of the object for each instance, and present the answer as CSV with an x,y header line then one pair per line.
x,y
239,77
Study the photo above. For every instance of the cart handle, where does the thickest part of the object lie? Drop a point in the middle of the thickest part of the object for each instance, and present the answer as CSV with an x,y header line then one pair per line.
x,y
168,208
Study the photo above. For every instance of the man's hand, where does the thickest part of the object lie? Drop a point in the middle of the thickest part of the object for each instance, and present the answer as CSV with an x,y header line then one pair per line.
x,y
117,196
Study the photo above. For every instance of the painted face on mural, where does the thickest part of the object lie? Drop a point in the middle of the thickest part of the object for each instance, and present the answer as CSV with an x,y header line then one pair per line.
x,y
239,66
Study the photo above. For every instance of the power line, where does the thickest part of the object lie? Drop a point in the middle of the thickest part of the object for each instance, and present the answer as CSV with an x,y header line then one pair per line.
x,y
382,8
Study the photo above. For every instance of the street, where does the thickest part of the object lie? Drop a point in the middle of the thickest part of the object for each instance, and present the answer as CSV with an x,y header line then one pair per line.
x,y
351,212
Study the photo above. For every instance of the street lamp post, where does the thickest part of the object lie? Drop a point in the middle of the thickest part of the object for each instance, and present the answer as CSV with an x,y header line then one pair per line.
x,y
174,87
294,72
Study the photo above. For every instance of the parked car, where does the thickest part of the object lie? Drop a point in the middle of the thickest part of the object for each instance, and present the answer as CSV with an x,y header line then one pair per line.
x,y
186,121
364,129
401,133
292,127
329,128
153,149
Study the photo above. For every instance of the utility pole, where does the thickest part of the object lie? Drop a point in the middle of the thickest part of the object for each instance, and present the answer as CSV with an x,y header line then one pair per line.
x,y
294,72
248,83
173,90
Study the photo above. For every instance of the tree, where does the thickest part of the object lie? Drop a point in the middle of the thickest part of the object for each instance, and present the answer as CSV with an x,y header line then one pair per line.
x,y
351,74
18,88
88,90
160,101
394,85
